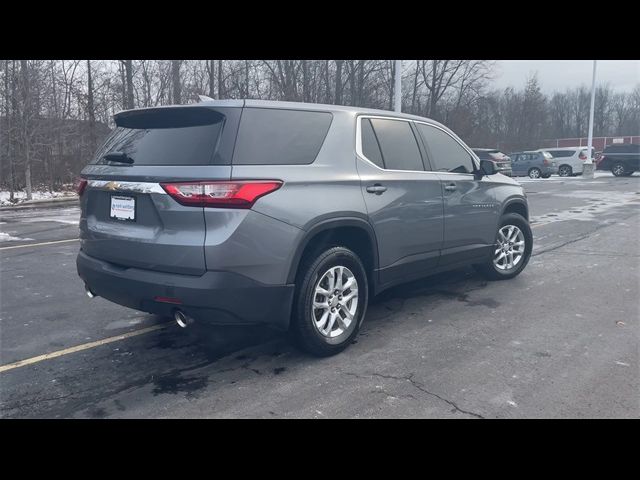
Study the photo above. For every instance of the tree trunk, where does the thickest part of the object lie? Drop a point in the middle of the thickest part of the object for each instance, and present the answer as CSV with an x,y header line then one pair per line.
x,y
221,92
91,109
128,67
415,89
338,96
212,79
175,81
26,114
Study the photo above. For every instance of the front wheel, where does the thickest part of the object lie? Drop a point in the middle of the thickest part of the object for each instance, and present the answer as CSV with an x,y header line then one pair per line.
x,y
330,303
535,173
512,250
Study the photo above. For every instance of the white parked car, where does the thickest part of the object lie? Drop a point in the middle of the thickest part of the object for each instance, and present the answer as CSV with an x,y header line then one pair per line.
x,y
569,159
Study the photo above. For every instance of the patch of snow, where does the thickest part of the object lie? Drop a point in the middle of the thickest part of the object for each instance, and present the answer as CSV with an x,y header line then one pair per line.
x,y
21,196
5,237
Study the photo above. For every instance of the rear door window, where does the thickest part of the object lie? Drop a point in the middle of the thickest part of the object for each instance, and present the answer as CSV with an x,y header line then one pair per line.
x,y
269,136
445,152
398,144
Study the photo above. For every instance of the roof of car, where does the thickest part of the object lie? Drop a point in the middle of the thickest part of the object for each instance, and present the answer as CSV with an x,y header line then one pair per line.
x,y
239,103
560,148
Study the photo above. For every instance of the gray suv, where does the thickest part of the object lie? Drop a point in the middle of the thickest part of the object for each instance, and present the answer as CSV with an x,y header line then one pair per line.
x,y
288,214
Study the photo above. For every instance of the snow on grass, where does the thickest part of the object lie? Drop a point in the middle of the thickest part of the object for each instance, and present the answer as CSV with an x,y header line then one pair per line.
x,y
21,196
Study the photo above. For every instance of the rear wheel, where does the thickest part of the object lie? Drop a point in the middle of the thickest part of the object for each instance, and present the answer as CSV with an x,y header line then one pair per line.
x,y
512,249
618,169
535,173
565,171
331,301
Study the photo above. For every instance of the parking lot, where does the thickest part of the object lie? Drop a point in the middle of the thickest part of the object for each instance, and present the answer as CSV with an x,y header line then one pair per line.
x,y
560,340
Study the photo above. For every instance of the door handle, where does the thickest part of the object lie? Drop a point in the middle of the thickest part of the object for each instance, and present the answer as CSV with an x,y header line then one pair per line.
x,y
450,187
377,189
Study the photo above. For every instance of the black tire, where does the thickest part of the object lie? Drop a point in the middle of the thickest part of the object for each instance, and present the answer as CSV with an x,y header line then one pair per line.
x,y
628,174
565,171
534,173
303,329
619,169
489,270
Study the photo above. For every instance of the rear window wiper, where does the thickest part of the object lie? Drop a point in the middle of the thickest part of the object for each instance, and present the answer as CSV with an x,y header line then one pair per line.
x,y
120,157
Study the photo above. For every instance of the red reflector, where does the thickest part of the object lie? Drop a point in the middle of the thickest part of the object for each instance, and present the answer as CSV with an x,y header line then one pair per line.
x,y
177,301
583,156
81,184
240,194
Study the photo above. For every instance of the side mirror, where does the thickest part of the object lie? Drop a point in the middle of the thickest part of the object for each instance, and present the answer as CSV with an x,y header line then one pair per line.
x,y
488,167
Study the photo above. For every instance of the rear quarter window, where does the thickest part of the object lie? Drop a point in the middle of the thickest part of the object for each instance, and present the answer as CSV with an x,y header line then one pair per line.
x,y
280,137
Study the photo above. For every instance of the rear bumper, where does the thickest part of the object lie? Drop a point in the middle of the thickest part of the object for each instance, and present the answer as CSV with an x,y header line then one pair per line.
x,y
221,298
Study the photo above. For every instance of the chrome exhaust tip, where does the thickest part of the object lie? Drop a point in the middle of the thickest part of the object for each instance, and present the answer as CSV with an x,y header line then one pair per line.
x,y
89,293
182,319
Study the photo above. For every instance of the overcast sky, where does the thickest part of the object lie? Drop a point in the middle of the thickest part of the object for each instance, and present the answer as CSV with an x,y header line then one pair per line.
x,y
554,75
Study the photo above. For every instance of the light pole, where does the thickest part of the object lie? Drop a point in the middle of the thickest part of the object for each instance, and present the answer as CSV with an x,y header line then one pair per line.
x,y
589,167
398,88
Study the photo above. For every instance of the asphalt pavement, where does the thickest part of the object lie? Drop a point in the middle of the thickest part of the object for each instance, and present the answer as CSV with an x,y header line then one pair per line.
x,y
559,341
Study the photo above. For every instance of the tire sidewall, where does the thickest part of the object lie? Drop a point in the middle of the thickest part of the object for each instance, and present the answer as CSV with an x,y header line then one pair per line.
x,y
303,328
613,169
523,225
567,167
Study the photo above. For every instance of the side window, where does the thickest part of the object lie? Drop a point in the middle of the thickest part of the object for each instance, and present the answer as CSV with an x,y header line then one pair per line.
x,y
448,155
370,146
269,136
398,144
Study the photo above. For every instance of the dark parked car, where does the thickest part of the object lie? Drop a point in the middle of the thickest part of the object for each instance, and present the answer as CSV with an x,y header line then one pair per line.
x,y
287,214
534,164
502,160
621,159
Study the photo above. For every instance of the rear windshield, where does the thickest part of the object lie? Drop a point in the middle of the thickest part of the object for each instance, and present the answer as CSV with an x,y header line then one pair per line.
x,y
164,138
269,136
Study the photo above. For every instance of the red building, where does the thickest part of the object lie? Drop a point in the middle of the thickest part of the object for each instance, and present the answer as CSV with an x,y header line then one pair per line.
x,y
598,142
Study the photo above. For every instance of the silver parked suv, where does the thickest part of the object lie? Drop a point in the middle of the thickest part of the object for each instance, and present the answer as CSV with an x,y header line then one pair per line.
x,y
289,214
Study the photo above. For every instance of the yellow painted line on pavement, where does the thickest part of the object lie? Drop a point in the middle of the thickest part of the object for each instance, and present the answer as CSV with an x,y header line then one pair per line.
x,y
79,348
39,244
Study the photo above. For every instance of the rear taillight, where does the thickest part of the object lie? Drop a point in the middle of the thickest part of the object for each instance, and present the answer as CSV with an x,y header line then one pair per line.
x,y
545,161
81,184
582,156
239,194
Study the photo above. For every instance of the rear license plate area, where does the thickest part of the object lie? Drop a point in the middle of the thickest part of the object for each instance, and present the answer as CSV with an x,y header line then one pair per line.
x,y
123,208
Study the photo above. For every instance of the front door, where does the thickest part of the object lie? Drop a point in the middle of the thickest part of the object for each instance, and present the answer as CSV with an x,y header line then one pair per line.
x,y
470,210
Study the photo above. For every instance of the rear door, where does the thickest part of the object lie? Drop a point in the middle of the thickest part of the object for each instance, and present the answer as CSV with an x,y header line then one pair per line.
x,y
470,210
404,202
128,218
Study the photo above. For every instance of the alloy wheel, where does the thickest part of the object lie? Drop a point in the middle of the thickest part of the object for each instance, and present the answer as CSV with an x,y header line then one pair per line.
x,y
335,301
510,248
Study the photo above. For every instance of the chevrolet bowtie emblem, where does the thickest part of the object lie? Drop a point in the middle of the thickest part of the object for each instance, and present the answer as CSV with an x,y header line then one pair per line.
x,y
112,186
